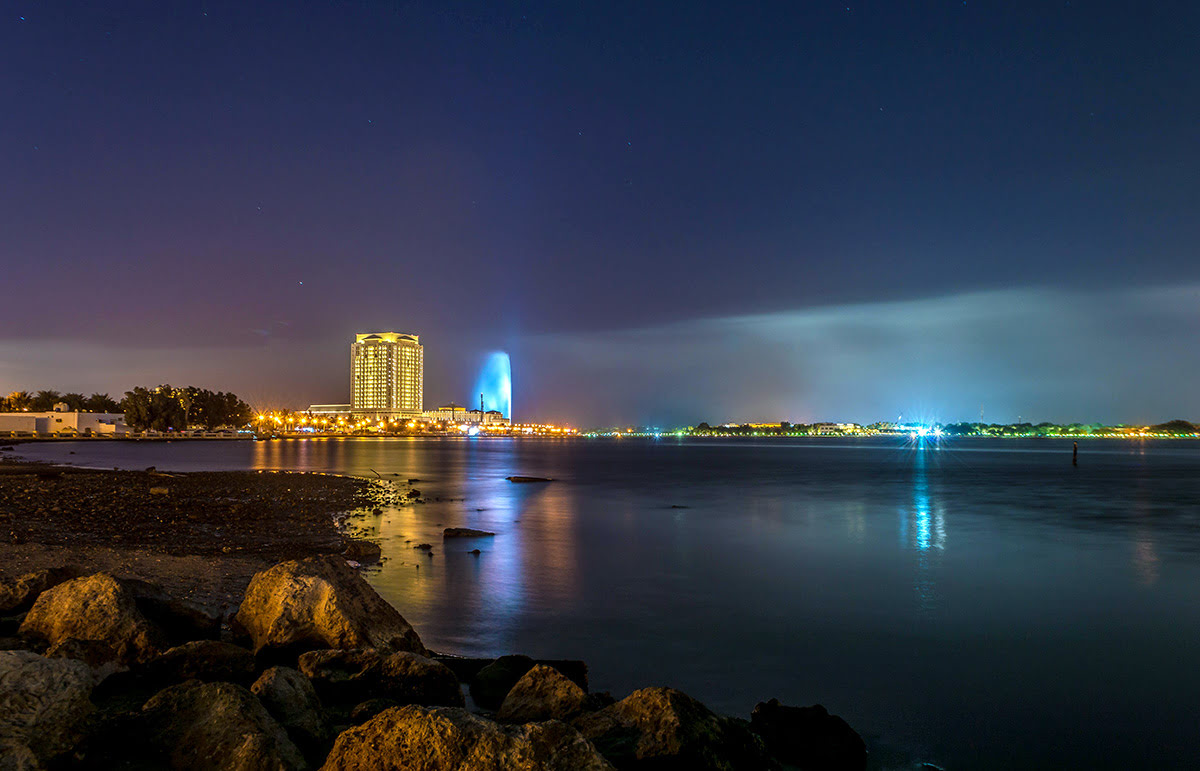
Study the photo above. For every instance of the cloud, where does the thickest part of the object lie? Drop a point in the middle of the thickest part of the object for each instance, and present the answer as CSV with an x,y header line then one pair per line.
x,y
1112,356
1034,354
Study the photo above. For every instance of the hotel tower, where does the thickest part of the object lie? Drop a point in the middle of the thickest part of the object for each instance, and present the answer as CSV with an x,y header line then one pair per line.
x,y
387,370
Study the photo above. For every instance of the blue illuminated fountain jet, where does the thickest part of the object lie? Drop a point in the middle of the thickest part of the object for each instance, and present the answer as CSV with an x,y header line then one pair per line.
x,y
495,383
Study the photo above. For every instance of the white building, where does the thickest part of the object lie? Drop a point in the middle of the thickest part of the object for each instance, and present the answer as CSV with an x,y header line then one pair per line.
x,y
63,422
387,373
455,414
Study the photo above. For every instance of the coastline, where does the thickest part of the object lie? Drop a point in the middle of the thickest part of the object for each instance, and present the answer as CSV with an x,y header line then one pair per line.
x,y
114,553
200,535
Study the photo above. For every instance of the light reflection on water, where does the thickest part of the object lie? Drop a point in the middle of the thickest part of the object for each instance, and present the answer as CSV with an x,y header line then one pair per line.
x,y
985,604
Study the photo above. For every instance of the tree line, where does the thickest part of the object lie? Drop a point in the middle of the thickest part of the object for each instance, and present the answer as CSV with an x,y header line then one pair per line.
x,y
162,408
167,408
44,401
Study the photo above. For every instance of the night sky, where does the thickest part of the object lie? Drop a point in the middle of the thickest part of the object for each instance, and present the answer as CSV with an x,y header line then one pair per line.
x,y
796,211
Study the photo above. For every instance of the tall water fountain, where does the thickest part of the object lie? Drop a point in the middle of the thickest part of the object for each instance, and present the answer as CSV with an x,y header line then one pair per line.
x,y
495,383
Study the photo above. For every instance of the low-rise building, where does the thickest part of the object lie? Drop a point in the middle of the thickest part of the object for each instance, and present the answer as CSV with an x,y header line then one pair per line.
x,y
454,414
63,422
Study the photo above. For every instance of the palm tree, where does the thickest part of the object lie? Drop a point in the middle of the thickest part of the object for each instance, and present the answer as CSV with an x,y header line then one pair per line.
x,y
20,401
102,403
44,401
75,402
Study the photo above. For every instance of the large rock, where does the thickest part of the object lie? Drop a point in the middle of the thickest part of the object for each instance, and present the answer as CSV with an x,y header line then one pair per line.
x,y
543,693
199,726
207,660
493,682
362,551
96,609
290,698
354,676
467,668
182,621
317,603
17,595
809,737
451,739
43,704
15,756
662,728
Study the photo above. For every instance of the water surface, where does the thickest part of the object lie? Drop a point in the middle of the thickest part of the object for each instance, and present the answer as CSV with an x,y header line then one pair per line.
x,y
981,605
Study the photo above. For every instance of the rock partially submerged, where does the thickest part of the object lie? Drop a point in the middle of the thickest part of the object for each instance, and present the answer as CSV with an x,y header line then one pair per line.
x,y
493,682
542,693
662,728
361,551
320,603
465,532
43,705
451,739
217,726
95,609
356,676
809,737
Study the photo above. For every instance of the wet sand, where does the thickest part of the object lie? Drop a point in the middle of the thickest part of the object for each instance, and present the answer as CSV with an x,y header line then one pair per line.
x,y
200,535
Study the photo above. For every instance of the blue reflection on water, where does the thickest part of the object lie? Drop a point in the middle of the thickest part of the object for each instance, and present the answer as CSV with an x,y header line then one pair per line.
x,y
928,526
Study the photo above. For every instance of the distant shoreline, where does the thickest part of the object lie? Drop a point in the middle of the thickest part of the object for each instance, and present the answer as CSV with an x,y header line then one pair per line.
x,y
12,442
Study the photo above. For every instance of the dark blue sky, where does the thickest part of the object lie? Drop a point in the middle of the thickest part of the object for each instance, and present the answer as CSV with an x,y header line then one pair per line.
x,y
550,178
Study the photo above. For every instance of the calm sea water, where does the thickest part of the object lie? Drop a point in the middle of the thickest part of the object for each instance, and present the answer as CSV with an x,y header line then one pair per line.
x,y
979,605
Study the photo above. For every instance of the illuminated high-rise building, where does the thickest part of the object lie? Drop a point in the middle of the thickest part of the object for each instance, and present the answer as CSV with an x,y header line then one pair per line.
x,y
387,370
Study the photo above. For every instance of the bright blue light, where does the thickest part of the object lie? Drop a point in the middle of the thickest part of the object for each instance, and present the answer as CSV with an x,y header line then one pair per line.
x,y
495,383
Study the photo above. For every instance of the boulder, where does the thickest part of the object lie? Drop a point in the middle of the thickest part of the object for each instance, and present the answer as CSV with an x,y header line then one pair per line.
x,y
96,654
18,594
543,693
199,725
662,728
354,676
43,705
465,532
493,682
15,756
809,737
368,709
467,668
207,660
364,552
318,603
452,739
96,608
182,621
291,699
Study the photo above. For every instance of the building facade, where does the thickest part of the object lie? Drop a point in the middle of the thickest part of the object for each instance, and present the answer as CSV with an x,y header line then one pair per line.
x,y
454,414
387,373
61,422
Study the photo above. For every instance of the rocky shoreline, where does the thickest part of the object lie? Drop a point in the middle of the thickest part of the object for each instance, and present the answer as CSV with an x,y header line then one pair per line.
x,y
274,653
201,536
